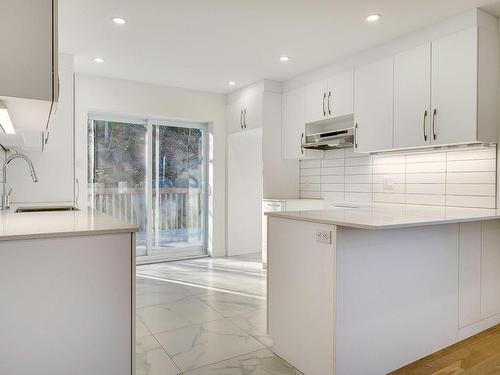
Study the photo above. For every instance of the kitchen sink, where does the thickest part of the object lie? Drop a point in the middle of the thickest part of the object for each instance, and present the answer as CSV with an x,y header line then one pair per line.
x,y
46,209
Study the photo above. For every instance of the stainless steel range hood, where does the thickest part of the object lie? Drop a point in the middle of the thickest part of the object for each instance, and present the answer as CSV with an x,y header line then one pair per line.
x,y
329,139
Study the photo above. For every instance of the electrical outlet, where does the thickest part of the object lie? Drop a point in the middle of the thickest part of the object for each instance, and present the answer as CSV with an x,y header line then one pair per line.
x,y
324,236
388,184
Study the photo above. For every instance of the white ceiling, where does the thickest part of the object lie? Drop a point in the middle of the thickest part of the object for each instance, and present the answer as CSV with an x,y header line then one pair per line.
x,y
203,44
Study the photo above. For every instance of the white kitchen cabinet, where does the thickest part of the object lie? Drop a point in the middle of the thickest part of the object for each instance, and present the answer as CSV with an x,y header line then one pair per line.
x,y
329,98
301,284
445,92
412,102
373,106
454,88
315,101
244,110
293,126
341,94
29,61
490,266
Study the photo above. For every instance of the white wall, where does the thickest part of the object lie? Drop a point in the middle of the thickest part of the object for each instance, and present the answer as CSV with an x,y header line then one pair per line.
x,y
55,165
113,96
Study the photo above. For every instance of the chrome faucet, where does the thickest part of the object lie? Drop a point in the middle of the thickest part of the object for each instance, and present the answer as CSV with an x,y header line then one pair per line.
x,y
5,195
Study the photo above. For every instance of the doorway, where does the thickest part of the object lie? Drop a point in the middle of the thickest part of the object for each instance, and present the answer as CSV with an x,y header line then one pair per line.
x,y
152,173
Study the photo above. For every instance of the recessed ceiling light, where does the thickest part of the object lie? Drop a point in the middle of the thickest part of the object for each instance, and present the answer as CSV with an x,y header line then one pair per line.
x,y
373,17
284,58
98,60
5,122
231,83
119,20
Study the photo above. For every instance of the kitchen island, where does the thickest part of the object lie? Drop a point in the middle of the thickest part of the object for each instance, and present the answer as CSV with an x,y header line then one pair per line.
x,y
368,290
67,286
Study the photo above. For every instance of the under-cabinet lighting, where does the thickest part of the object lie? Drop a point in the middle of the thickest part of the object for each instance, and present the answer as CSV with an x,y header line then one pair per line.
x,y
5,121
373,17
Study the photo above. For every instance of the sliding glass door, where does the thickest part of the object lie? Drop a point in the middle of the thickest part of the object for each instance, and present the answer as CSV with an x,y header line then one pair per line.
x,y
153,174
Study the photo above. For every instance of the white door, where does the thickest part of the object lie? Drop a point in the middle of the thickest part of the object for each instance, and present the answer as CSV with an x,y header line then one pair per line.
x,y
316,101
454,88
244,195
340,95
373,105
412,97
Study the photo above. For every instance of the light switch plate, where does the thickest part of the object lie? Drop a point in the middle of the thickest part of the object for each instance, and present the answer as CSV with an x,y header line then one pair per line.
x,y
324,236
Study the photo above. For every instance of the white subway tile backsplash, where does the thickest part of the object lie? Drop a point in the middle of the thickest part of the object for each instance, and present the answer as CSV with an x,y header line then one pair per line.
x,y
360,169
332,163
464,177
487,165
389,159
426,178
332,187
394,189
313,163
358,197
471,177
310,194
470,201
389,168
310,172
488,190
332,171
473,154
358,179
388,198
426,157
310,187
334,179
310,179
439,189
430,167
359,188
426,199
395,178
364,160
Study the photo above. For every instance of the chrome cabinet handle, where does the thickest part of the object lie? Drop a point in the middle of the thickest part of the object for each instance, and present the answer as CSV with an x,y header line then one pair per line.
x,y
434,133
241,119
245,118
423,125
302,143
329,96
356,135
324,97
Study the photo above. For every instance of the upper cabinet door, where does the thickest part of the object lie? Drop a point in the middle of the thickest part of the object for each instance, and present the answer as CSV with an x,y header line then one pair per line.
x,y
316,102
454,88
412,90
234,116
373,106
340,95
252,110
293,123
293,126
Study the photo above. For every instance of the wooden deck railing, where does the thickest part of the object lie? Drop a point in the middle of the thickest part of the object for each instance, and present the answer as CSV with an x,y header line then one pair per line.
x,y
173,208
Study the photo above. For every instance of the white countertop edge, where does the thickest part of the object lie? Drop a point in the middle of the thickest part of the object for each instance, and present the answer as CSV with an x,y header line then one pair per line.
x,y
348,224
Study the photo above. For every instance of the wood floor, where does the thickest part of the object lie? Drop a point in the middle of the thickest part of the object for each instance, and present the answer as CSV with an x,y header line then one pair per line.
x,y
479,355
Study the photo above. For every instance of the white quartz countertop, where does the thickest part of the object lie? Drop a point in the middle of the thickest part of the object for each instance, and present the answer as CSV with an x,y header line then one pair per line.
x,y
380,216
30,225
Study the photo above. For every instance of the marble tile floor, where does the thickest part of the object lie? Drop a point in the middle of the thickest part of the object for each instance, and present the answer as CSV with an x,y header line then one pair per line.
x,y
198,323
